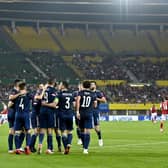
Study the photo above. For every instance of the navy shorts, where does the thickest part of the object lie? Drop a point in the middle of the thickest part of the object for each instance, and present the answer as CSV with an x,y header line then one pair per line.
x,y
22,121
96,118
11,117
47,119
65,123
35,120
86,122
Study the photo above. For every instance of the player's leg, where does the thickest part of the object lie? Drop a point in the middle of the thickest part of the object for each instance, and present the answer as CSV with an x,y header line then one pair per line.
x,y
17,142
86,140
163,118
161,125
58,138
50,126
35,126
28,139
33,140
43,128
62,127
81,126
10,140
58,132
18,124
85,125
88,125
98,131
152,117
64,140
41,139
22,137
27,133
78,131
97,128
155,118
11,132
49,141
69,127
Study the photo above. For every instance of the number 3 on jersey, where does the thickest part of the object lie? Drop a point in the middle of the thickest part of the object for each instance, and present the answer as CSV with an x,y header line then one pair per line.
x,y
86,101
67,104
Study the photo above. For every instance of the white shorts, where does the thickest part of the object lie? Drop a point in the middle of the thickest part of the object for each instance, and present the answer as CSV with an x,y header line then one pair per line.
x,y
164,117
153,116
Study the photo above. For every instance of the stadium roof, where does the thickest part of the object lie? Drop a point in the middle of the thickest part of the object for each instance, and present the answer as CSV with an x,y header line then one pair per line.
x,y
144,12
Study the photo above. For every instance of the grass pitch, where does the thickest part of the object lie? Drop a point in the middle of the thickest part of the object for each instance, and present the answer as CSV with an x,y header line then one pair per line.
x,y
126,145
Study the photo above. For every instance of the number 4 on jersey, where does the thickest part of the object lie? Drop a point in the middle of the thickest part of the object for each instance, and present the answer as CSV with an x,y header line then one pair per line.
x,y
21,105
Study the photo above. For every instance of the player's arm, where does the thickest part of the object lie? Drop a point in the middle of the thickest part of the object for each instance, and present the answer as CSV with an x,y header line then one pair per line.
x,y
52,105
102,99
95,104
14,96
10,104
74,104
78,106
39,97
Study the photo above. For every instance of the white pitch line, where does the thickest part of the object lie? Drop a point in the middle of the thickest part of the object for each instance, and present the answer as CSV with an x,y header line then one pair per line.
x,y
129,145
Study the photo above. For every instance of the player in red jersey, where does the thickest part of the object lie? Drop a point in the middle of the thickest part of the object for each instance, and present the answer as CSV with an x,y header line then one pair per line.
x,y
164,110
153,111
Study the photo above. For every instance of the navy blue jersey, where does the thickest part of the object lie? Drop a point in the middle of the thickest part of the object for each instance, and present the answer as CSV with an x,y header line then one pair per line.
x,y
98,94
22,104
75,93
49,96
13,92
66,99
86,102
36,103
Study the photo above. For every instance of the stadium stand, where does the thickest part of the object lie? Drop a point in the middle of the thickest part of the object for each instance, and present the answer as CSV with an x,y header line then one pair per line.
x,y
126,41
76,40
161,40
96,69
54,66
14,65
28,39
127,94
76,69
148,70
3,45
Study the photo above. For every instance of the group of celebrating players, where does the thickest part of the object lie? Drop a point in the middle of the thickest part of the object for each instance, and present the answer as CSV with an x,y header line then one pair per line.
x,y
49,109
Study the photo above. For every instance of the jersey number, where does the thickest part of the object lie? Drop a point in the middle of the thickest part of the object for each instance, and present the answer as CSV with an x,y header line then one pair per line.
x,y
46,97
86,101
21,105
67,104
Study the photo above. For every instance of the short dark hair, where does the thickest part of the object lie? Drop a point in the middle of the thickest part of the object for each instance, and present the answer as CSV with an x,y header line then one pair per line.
x,y
93,82
16,81
166,97
51,81
22,85
65,84
86,84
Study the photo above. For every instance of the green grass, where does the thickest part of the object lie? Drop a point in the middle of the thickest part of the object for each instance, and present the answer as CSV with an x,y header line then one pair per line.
x,y
126,145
